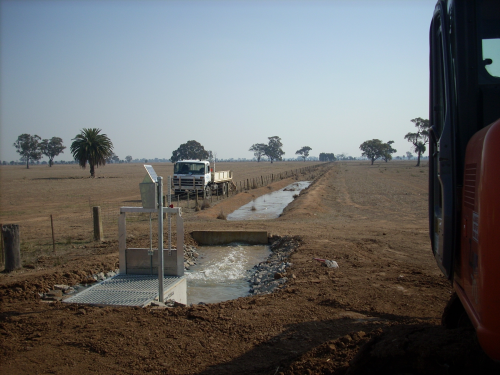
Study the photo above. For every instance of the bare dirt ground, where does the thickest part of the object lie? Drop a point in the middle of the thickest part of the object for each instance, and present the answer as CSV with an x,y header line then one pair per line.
x,y
379,313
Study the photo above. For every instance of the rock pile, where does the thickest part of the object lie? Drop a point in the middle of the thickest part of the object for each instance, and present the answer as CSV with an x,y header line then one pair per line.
x,y
269,275
190,256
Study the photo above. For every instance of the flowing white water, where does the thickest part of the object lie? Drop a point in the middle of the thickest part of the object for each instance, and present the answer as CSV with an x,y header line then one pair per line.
x,y
222,272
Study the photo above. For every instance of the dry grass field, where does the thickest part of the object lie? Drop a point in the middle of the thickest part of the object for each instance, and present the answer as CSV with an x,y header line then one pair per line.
x,y
29,197
378,313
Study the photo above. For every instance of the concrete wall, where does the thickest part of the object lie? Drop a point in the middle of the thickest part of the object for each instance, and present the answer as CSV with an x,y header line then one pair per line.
x,y
221,237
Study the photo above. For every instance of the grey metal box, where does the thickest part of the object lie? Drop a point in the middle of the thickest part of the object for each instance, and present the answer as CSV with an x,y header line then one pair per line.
x,y
148,194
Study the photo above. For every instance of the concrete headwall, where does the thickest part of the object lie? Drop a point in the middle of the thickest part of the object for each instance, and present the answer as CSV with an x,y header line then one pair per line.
x,y
222,237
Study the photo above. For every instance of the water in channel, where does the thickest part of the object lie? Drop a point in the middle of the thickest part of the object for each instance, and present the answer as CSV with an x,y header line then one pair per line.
x,y
222,272
269,206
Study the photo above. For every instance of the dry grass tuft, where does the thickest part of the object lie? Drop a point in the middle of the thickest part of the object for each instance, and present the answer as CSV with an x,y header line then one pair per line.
x,y
205,204
222,215
253,208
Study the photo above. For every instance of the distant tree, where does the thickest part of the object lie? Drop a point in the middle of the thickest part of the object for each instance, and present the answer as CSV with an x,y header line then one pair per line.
x,y
388,150
28,146
111,158
326,157
51,148
128,158
189,150
372,149
273,149
420,138
259,150
409,155
91,147
303,152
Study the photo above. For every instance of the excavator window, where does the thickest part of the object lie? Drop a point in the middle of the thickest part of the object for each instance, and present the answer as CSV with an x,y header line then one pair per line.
x,y
491,56
489,41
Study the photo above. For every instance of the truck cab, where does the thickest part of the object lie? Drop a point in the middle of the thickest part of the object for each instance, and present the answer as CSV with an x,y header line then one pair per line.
x,y
191,175
464,158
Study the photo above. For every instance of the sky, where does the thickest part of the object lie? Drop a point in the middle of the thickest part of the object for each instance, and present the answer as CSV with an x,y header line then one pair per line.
x,y
155,74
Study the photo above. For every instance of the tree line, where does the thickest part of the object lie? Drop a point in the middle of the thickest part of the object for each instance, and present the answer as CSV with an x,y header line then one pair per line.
x,y
375,149
95,149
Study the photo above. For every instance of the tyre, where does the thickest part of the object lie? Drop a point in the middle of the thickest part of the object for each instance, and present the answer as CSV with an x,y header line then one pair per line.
x,y
454,314
208,192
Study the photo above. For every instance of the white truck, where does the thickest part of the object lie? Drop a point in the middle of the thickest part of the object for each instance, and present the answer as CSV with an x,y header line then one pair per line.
x,y
197,176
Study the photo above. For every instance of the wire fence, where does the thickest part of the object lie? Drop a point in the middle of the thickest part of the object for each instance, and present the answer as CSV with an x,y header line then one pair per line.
x,y
49,234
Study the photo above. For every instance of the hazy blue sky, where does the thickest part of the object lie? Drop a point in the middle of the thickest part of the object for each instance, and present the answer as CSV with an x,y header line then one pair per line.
x,y
155,74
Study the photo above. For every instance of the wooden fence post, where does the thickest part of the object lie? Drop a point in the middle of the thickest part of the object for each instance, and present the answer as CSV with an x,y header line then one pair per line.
x,y
53,238
2,256
98,232
12,247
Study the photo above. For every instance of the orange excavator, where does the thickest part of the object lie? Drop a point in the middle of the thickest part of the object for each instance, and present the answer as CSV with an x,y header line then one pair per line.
x,y
464,162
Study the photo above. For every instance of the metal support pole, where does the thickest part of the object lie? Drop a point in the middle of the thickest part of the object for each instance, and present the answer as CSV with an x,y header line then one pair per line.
x,y
169,197
159,184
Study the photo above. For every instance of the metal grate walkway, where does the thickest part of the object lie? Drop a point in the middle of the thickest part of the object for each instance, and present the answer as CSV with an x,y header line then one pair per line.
x,y
124,290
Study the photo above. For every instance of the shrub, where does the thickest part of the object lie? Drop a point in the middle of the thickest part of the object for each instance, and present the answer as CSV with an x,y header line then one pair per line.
x,y
221,215
205,204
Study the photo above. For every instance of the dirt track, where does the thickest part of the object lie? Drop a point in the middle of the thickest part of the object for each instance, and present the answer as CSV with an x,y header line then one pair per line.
x,y
371,219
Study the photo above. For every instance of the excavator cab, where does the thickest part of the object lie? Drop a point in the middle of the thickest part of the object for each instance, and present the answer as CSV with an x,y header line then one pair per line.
x,y
464,158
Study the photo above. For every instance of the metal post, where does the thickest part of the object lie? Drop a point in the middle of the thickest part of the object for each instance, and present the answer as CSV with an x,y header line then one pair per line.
x,y
169,196
160,239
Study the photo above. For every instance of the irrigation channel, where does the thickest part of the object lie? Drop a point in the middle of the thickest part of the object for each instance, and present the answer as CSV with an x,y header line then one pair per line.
x,y
224,272
269,206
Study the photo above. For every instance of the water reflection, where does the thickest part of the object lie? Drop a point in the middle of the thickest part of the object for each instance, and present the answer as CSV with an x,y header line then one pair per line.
x,y
269,206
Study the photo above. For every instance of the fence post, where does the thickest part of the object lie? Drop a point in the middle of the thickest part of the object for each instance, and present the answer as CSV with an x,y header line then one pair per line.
x,y
12,247
2,256
196,192
98,233
53,238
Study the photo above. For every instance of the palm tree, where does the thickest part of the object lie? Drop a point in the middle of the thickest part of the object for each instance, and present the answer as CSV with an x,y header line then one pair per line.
x,y
92,147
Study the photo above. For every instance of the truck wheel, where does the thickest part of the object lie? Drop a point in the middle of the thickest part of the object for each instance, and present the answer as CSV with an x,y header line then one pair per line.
x,y
208,192
454,315
224,188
